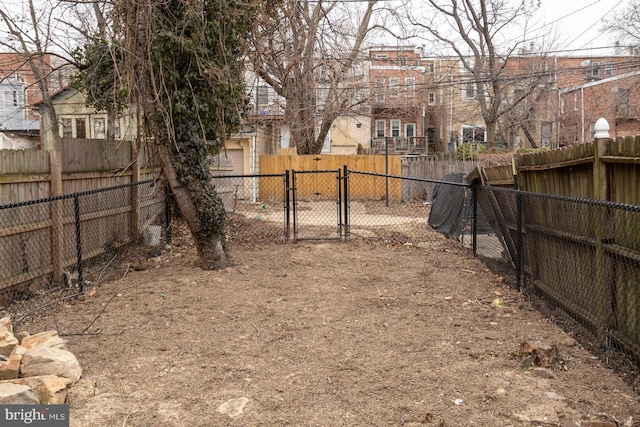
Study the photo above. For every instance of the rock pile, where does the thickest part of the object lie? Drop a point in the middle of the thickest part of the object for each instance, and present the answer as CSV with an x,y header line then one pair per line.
x,y
35,369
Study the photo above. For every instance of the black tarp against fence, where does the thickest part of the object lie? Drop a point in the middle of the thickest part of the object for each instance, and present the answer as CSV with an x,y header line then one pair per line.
x,y
452,208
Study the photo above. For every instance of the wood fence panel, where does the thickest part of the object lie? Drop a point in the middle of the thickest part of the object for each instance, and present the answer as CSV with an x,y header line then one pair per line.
x,y
95,155
24,175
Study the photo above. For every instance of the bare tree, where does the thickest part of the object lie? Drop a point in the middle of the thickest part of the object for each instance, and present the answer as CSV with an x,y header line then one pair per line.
x,y
307,52
477,32
29,35
41,35
625,25
181,65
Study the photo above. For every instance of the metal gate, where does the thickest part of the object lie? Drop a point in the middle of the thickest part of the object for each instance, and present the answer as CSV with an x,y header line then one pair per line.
x,y
317,204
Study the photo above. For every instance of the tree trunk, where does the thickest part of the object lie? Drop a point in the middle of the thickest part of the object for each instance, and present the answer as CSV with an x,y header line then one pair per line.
x,y
491,135
195,201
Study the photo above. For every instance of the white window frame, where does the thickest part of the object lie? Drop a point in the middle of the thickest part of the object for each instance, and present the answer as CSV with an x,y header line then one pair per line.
x,y
381,125
99,128
410,87
326,145
380,89
608,69
262,96
431,98
473,134
394,87
466,86
396,126
406,129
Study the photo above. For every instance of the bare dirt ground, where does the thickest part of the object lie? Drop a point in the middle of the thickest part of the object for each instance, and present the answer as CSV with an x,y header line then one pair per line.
x,y
322,334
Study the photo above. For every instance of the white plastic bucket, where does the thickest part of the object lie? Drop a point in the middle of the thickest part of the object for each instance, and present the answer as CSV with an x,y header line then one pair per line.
x,y
152,235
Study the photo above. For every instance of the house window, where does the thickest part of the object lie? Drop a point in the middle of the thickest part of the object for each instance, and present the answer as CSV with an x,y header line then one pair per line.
x,y
321,97
99,129
116,129
15,98
409,130
395,127
430,67
595,69
469,91
326,146
66,128
575,133
394,86
518,100
381,128
473,134
410,87
608,69
431,98
380,89
623,103
545,133
402,61
81,131
575,101
262,96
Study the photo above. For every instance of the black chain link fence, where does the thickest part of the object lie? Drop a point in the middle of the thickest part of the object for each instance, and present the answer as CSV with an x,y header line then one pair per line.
x,y
397,210
581,256
52,249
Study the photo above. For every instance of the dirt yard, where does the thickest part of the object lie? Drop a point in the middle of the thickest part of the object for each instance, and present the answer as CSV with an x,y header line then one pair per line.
x,y
323,334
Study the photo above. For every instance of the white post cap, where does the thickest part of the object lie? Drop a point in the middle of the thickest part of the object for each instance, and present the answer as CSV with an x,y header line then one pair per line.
x,y
601,128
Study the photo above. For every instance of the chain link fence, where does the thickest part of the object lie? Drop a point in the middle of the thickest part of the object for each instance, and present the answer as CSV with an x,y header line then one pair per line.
x,y
50,249
581,256
396,210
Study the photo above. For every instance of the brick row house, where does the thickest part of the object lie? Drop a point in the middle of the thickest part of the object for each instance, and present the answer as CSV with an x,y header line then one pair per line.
x,y
575,92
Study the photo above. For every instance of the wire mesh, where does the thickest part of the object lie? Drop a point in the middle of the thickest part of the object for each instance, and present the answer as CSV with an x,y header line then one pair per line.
x,y
252,200
380,208
581,256
48,247
317,205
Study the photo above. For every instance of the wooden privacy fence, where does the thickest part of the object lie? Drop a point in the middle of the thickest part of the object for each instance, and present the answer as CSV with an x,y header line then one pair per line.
x,y
367,187
573,230
81,164
308,189
59,208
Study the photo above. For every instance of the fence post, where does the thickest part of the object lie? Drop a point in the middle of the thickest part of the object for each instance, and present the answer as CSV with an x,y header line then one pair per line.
x,y
76,212
57,225
167,214
474,225
134,229
346,202
600,192
519,257
287,205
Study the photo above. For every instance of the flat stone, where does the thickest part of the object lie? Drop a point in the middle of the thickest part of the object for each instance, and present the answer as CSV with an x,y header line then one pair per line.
x,y
234,408
7,340
50,389
17,394
39,361
10,369
46,338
